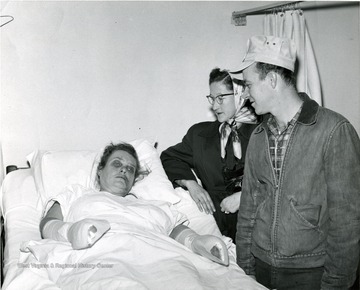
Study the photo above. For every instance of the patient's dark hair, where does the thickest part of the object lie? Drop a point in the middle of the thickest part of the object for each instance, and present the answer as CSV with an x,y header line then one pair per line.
x,y
218,75
287,75
109,149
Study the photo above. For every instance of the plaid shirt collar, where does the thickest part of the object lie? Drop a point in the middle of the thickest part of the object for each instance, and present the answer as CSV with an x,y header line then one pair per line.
x,y
274,127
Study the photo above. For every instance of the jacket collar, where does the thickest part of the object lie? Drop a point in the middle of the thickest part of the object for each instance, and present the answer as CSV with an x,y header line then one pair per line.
x,y
308,114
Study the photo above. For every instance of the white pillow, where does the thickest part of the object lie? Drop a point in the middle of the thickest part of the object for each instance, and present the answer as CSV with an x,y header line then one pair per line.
x,y
54,170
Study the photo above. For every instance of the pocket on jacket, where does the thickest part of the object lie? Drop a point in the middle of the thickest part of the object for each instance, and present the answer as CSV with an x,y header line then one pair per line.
x,y
309,214
302,234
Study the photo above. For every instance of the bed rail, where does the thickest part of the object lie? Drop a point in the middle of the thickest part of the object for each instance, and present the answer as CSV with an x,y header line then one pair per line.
x,y
8,169
11,168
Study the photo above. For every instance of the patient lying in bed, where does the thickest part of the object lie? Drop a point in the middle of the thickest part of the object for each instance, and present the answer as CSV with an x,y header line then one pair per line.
x,y
137,246
91,214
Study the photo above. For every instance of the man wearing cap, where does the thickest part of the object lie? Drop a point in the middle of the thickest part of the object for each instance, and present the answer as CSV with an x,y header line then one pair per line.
x,y
299,217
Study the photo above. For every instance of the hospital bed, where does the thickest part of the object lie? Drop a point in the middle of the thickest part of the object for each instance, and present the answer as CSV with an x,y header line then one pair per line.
x,y
155,263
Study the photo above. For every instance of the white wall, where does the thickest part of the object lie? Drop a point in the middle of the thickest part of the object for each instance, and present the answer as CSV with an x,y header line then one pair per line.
x,y
335,37
76,75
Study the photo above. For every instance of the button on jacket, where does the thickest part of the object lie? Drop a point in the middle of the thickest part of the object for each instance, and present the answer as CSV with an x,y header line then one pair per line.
x,y
311,216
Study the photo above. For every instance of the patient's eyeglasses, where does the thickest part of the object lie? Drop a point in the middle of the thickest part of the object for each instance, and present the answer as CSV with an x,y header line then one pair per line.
x,y
219,98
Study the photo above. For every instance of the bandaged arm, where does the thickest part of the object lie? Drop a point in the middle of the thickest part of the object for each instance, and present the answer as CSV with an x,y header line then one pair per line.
x,y
82,234
208,246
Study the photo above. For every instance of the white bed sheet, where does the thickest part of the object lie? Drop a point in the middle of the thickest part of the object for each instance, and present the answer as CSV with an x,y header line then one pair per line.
x,y
20,206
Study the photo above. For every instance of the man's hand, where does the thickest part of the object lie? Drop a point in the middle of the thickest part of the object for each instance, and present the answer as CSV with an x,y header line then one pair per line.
x,y
231,203
199,195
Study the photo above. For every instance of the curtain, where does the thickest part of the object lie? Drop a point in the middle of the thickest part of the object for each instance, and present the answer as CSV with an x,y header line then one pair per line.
x,y
291,24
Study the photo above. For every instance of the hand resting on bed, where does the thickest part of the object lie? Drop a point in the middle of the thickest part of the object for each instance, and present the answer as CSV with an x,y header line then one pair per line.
x,y
207,246
82,234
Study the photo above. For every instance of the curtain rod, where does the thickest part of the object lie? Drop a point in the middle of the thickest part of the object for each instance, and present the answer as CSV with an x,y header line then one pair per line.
x,y
239,17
